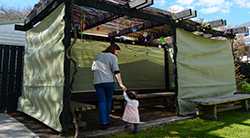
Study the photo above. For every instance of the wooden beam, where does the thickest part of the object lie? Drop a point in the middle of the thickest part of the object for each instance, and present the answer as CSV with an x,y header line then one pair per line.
x,y
242,29
158,35
125,10
187,26
136,3
106,17
193,14
183,14
148,3
20,27
217,23
139,27
113,40
192,27
147,25
122,10
43,11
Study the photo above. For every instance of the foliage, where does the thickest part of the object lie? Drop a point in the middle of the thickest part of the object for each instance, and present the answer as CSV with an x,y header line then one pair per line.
x,y
239,47
230,124
8,13
240,80
240,50
245,87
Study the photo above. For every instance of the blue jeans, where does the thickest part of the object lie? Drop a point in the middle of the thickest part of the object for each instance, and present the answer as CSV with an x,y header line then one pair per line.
x,y
105,94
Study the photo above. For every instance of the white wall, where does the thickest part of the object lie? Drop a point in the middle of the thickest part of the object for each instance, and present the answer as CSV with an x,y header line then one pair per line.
x,y
247,38
9,36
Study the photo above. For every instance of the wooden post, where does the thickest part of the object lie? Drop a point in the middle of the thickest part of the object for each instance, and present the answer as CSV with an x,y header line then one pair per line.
x,y
245,104
175,70
64,118
112,40
210,112
166,68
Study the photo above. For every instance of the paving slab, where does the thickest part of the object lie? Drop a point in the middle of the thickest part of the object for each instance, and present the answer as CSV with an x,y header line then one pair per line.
x,y
11,128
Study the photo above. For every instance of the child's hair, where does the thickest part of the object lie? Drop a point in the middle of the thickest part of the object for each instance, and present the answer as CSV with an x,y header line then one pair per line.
x,y
132,95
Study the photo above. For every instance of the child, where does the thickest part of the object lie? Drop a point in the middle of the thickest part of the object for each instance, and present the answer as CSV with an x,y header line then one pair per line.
x,y
131,113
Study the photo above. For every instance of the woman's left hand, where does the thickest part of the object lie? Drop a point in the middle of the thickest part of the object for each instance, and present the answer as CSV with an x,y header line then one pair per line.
x,y
123,87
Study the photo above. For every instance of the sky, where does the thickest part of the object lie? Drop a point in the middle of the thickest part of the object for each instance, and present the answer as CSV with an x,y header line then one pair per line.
x,y
235,12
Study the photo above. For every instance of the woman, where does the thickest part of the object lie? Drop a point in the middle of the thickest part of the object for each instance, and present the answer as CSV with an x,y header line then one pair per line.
x,y
104,71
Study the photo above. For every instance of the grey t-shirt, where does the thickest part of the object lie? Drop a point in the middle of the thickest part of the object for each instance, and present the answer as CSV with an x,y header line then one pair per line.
x,y
104,66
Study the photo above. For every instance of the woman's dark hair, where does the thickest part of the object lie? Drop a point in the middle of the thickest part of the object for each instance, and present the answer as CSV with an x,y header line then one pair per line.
x,y
112,48
132,95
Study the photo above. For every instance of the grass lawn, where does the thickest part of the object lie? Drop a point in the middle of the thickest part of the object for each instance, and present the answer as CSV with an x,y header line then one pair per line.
x,y
231,124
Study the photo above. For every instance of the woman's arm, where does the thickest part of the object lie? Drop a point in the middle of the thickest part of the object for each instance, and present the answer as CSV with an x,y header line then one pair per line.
x,y
119,79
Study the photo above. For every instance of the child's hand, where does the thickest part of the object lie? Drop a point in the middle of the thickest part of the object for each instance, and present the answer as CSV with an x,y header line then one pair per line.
x,y
123,87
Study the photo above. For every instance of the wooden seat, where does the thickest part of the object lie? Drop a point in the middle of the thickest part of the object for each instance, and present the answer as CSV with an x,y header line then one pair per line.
x,y
149,99
209,107
78,109
77,106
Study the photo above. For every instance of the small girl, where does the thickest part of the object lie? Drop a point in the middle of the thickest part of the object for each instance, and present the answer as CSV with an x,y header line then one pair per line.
x,y
131,113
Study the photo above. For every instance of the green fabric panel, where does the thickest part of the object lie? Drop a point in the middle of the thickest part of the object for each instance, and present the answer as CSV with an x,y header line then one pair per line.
x,y
138,70
43,74
205,68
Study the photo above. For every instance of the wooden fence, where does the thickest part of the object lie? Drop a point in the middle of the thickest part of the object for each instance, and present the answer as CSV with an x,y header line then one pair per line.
x,y
11,74
245,70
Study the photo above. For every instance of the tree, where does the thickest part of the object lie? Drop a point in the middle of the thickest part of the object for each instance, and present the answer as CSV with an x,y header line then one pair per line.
x,y
239,47
8,13
240,50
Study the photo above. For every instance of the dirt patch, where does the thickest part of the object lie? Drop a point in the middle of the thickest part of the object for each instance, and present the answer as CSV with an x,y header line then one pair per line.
x,y
92,120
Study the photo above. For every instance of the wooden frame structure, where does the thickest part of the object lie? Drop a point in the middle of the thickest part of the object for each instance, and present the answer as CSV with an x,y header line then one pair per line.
x,y
109,11
209,107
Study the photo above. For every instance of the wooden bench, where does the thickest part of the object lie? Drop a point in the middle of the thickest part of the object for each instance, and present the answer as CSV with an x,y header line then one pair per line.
x,y
209,107
149,99
78,109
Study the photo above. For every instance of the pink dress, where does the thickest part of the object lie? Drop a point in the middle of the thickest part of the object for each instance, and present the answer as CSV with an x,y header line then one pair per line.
x,y
131,113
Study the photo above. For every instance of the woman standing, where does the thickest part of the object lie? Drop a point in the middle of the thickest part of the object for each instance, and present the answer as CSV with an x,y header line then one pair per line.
x,y
104,71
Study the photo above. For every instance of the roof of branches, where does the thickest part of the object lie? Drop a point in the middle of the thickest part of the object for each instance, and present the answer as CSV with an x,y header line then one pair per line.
x,y
103,22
